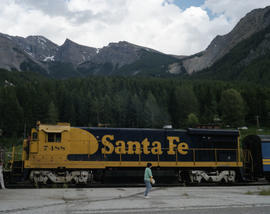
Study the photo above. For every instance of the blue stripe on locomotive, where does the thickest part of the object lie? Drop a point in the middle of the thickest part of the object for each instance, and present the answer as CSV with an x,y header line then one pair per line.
x,y
196,139
266,154
266,168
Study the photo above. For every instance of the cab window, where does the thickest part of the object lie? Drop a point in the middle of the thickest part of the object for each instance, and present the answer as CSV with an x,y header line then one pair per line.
x,y
54,137
34,136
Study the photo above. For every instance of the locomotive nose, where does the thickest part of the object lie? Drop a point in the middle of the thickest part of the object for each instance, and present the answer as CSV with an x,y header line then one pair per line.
x,y
85,142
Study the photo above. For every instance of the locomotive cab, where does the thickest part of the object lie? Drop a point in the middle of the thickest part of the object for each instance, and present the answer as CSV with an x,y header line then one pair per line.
x,y
48,154
46,145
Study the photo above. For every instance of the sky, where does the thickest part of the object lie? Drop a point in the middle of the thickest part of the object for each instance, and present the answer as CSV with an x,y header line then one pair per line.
x,y
180,27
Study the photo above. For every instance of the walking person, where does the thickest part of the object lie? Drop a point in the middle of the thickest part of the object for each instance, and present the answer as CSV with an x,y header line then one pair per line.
x,y
1,168
148,177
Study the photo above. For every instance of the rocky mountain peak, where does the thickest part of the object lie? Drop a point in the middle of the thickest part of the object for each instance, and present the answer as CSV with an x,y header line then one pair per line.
x,y
120,53
69,42
120,44
253,22
10,58
37,47
74,53
39,39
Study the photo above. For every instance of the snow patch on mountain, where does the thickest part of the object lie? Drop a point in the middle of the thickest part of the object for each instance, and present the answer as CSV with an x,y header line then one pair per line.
x,y
29,53
49,58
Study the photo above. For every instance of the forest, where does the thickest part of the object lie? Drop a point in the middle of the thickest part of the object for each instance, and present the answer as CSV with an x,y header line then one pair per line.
x,y
118,101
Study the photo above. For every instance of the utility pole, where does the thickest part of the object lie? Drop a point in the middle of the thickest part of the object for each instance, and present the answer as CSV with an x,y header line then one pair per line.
x,y
258,122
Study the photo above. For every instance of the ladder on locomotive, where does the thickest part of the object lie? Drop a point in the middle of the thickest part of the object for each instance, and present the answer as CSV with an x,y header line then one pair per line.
x,y
248,166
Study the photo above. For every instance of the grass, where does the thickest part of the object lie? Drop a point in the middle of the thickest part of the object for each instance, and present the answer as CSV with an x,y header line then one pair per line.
x,y
65,185
265,192
254,131
249,193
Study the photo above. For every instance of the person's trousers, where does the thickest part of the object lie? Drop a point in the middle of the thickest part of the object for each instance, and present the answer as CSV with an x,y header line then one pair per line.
x,y
2,181
148,187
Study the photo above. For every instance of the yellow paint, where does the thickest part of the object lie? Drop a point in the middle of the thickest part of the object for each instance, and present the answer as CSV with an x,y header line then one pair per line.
x,y
266,161
156,150
104,164
108,147
182,148
172,145
120,147
146,144
131,145
34,147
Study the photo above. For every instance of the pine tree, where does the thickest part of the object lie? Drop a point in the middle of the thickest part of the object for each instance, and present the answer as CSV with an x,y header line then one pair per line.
x,y
52,117
185,103
232,108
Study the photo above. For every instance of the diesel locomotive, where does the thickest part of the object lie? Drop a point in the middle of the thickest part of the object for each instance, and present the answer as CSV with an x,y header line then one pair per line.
x,y
82,155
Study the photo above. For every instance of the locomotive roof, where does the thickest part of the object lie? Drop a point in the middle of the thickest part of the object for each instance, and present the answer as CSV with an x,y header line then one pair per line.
x,y
192,131
132,129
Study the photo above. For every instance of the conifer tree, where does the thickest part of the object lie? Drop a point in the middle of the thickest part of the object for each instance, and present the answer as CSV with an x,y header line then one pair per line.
x,y
52,117
232,108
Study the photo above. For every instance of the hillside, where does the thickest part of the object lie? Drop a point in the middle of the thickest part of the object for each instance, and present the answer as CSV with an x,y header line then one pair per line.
x,y
247,61
123,101
254,22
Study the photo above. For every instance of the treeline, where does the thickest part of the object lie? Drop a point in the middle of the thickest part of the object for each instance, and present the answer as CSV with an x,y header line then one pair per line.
x,y
129,102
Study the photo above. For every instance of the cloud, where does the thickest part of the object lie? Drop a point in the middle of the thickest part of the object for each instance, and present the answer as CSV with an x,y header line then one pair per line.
x,y
232,9
157,24
49,7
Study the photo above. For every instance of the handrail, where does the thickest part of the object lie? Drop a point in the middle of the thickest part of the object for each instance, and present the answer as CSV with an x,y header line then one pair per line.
x,y
177,155
194,156
216,156
13,155
212,149
251,158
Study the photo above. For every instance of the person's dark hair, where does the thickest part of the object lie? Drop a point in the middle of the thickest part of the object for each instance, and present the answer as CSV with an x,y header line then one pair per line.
x,y
149,164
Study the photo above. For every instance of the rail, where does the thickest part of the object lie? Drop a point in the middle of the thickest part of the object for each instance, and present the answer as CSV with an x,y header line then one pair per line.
x,y
193,155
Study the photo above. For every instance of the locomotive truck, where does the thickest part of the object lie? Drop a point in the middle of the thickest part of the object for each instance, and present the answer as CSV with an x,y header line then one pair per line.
x,y
82,155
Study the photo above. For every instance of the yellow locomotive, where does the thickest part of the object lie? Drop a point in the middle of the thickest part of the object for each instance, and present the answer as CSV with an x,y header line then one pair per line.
x,y
64,154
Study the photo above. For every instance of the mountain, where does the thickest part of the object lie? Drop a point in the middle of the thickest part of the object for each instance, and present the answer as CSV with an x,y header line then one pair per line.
x,y
124,58
13,57
248,61
71,52
255,21
71,59
38,47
